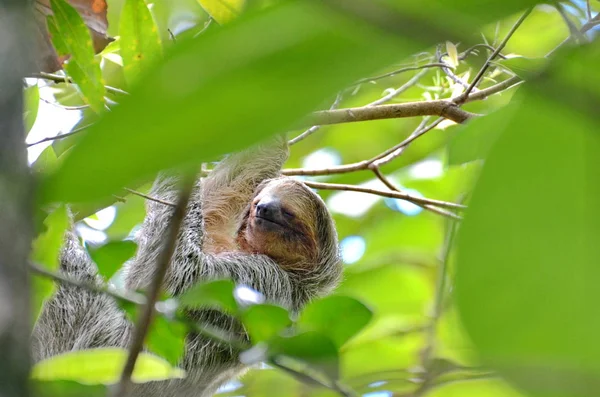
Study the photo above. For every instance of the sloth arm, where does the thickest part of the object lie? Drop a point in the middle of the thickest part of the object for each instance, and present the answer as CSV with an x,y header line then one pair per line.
x,y
215,209
76,318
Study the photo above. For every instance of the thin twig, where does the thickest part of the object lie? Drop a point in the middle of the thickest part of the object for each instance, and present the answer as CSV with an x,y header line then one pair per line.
x,y
487,63
365,164
394,93
595,21
395,72
315,128
573,30
313,375
61,136
495,89
398,149
125,296
420,201
57,78
156,200
207,24
428,207
215,334
152,295
65,107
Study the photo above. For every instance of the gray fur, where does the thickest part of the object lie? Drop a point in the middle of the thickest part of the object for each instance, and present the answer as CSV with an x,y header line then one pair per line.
x,y
77,319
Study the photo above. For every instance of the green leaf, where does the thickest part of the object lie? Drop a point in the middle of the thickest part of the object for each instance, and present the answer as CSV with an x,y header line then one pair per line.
x,y
45,253
474,140
241,82
66,389
311,349
46,161
111,256
262,322
216,294
103,366
167,339
527,263
31,98
522,66
223,11
338,317
140,43
452,54
71,37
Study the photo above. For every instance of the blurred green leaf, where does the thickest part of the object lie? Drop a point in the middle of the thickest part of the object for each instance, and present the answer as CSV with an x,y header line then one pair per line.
x,y
46,161
111,256
338,317
474,140
309,348
522,66
216,294
167,339
475,388
31,98
66,389
262,322
275,80
373,286
103,366
71,37
527,264
223,11
45,252
140,42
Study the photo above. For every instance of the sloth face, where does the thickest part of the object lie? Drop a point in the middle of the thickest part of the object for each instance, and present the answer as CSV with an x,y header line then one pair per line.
x,y
281,222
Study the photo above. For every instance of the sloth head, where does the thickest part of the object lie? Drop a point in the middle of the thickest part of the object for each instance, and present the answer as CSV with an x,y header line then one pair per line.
x,y
291,224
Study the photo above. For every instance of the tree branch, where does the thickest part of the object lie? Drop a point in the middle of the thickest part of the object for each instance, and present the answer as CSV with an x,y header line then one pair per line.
x,y
442,107
61,136
462,98
152,295
420,201
156,200
378,160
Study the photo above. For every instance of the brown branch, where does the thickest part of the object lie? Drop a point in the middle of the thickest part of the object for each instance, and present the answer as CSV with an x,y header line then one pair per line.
x,y
398,149
495,89
444,108
379,101
365,164
152,295
462,98
420,201
428,207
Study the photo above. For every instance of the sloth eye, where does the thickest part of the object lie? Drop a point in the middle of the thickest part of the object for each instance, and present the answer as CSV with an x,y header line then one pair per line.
x,y
288,214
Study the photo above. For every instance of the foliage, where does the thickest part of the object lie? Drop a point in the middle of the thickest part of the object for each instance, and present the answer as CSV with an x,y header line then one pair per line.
x,y
509,306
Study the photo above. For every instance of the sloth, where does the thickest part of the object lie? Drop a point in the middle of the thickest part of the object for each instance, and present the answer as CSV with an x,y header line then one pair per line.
x,y
244,222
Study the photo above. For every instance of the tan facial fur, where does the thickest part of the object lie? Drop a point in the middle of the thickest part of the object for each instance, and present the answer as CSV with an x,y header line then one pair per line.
x,y
281,223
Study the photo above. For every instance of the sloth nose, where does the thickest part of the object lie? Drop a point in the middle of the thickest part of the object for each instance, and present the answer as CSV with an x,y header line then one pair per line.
x,y
269,208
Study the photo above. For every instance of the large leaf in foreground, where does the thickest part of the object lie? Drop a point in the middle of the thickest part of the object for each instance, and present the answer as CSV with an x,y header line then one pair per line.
x,y
102,366
221,92
527,264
